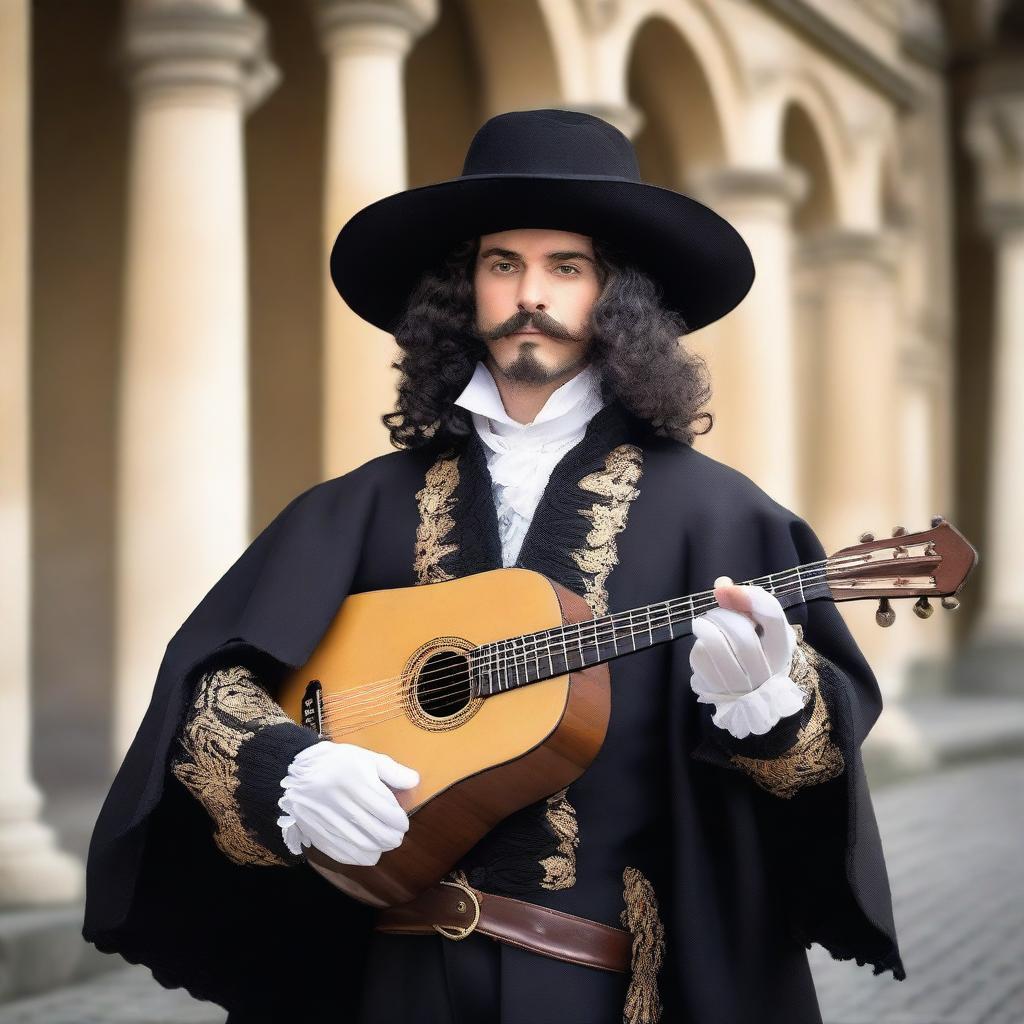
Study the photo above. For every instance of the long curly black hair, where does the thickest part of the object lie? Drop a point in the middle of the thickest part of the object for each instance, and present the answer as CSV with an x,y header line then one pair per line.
x,y
635,346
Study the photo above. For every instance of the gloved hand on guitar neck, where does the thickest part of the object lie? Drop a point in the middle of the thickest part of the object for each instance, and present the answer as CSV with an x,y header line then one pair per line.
x,y
336,798
741,660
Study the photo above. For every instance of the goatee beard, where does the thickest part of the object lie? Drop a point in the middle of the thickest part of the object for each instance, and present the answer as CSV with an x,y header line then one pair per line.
x,y
527,369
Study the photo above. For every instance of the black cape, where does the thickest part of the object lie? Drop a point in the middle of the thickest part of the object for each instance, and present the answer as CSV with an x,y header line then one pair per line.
x,y
744,879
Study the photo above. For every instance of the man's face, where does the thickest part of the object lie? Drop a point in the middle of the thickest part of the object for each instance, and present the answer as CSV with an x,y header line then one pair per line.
x,y
535,288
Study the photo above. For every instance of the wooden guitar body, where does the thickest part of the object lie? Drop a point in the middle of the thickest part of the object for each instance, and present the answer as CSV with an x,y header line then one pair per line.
x,y
479,759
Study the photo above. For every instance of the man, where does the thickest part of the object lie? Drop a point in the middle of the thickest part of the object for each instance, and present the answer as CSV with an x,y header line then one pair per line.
x,y
544,419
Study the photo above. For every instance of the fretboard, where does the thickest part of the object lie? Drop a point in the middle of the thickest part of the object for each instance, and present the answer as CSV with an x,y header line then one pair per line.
x,y
518,661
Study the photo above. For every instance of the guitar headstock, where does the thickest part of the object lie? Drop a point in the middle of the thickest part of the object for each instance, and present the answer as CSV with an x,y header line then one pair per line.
x,y
932,563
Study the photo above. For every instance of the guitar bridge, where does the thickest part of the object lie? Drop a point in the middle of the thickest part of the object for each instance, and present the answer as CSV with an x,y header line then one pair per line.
x,y
313,707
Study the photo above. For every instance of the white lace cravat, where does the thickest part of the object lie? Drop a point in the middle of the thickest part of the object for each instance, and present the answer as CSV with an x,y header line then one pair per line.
x,y
520,456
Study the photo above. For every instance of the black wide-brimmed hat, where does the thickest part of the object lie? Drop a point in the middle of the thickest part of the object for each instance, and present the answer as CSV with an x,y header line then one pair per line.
x,y
544,169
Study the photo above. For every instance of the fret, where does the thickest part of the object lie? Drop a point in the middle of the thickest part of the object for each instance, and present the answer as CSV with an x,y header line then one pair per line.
x,y
491,665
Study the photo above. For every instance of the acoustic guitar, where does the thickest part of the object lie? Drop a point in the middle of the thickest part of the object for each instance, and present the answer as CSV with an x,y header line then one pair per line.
x,y
495,686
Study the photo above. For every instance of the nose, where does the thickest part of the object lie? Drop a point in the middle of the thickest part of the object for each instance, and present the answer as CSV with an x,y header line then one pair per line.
x,y
532,295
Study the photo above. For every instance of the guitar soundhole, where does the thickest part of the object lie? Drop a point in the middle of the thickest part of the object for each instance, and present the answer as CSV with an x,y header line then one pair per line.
x,y
442,687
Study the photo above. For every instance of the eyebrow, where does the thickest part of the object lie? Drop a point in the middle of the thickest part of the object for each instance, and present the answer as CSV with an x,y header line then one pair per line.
x,y
511,254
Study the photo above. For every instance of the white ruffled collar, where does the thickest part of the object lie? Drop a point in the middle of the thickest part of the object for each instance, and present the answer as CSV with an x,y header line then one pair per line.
x,y
567,409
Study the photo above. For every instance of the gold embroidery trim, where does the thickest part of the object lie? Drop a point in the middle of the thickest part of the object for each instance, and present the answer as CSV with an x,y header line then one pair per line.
x,y
643,1003
436,502
560,867
229,707
615,484
814,757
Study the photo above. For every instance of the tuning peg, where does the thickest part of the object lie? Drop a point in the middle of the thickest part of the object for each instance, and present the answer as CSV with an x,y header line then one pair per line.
x,y
899,531
937,520
900,551
929,549
922,609
865,537
885,616
950,603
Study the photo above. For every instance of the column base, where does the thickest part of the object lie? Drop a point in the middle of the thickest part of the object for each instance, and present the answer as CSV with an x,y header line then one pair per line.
x,y
33,871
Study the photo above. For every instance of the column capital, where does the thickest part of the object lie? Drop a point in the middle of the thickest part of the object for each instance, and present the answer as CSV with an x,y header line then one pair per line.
x,y
995,138
849,247
783,186
376,25
192,45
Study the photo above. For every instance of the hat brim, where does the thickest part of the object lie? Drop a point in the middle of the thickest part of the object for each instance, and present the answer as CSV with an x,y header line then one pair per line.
x,y
699,259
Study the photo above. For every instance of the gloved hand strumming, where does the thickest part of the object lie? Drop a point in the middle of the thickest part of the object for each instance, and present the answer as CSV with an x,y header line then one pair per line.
x,y
337,799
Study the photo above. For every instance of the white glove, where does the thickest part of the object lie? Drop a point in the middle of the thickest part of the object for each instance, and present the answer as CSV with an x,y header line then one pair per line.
x,y
745,676
336,800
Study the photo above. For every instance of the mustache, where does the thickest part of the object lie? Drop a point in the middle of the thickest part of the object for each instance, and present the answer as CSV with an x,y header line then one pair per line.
x,y
538,319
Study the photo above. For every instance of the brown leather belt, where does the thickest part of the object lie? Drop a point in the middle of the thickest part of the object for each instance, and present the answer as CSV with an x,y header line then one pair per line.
x,y
456,910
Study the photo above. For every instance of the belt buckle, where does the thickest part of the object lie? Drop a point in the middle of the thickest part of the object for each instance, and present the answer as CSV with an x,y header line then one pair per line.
x,y
456,933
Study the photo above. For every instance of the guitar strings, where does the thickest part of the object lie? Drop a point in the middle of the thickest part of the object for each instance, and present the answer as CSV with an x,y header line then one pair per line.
x,y
369,719
368,689
352,706
352,718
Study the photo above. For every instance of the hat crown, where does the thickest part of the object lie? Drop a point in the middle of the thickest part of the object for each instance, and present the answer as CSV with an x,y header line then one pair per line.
x,y
551,142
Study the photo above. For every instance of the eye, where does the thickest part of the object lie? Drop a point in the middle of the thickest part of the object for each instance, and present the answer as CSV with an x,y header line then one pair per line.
x,y
568,266
502,263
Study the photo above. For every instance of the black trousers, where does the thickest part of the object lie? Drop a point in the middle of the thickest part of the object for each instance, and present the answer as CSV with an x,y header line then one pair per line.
x,y
428,979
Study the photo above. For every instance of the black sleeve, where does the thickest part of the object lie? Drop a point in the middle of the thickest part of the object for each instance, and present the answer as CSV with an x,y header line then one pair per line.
x,y
234,749
813,797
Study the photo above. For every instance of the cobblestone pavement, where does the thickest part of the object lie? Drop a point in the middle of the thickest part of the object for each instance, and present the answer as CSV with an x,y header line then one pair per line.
x,y
954,845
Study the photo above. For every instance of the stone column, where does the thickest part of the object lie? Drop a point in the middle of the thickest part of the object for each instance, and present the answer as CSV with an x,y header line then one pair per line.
x,y
366,42
856,450
858,442
194,70
996,137
32,870
750,351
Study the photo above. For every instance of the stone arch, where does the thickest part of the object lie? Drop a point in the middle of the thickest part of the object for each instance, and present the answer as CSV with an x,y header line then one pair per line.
x,y
802,146
805,107
691,30
681,128
515,52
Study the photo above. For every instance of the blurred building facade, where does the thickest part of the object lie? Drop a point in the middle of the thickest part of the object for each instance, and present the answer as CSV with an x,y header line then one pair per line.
x,y
176,365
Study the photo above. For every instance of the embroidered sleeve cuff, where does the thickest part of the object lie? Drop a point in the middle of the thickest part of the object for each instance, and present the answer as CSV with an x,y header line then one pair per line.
x,y
811,757
263,762
236,745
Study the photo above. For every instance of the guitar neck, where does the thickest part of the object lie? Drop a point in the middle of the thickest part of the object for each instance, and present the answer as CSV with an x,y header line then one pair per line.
x,y
518,661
